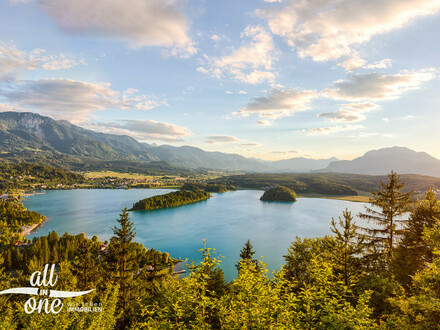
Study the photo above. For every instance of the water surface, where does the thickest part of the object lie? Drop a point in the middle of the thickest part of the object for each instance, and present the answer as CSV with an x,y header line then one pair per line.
x,y
226,220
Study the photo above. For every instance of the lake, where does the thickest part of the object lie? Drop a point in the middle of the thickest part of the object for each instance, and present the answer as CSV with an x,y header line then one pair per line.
x,y
226,220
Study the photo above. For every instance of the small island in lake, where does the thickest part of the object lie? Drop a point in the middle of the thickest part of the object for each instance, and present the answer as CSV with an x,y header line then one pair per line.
x,y
280,194
171,199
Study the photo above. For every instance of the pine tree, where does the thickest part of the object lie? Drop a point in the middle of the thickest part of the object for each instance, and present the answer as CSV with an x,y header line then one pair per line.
x,y
414,251
122,261
390,204
347,247
85,264
246,254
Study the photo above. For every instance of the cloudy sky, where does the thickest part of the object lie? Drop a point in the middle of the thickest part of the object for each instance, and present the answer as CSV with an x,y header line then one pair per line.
x,y
270,79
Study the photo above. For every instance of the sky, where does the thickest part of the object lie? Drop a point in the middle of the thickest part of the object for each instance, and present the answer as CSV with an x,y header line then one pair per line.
x,y
270,79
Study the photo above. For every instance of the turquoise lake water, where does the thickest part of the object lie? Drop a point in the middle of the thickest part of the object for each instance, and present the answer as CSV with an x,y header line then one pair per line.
x,y
226,220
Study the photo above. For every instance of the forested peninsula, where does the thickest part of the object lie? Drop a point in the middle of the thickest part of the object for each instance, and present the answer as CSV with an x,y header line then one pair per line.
x,y
171,199
208,187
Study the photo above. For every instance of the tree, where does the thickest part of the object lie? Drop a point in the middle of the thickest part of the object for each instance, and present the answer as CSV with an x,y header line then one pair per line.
x,y
414,252
246,254
347,247
122,260
301,252
85,265
390,204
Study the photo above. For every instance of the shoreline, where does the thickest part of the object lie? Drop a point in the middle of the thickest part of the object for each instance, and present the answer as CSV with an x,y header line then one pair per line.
x,y
29,229
350,198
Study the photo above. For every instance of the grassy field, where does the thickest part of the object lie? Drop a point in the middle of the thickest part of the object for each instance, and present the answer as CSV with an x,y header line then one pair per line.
x,y
113,174
139,176
363,197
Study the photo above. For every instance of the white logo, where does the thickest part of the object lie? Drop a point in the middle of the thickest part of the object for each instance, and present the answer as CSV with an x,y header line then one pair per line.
x,y
39,280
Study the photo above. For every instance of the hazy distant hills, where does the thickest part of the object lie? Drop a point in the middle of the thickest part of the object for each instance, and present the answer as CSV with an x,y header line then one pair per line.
x,y
30,137
300,164
382,161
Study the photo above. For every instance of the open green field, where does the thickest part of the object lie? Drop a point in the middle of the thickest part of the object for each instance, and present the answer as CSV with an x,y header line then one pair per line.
x,y
113,174
121,175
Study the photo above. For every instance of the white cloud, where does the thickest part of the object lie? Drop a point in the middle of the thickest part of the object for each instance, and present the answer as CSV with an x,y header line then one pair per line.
x,y
214,139
70,99
342,116
7,107
251,144
331,29
332,129
254,77
136,22
285,152
13,60
371,134
382,64
377,86
279,103
242,92
264,122
215,37
349,112
355,62
250,63
143,130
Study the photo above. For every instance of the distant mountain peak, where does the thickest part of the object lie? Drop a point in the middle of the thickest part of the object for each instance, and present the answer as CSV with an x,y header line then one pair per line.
x,y
381,161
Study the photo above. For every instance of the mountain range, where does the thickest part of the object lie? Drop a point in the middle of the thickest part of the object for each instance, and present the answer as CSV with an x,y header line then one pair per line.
x,y
382,161
29,137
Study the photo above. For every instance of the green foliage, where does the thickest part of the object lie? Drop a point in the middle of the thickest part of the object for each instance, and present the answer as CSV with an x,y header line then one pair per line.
x,y
246,254
301,252
14,215
208,187
123,262
390,204
347,248
172,199
323,285
413,252
421,308
324,183
279,193
24,175
328,183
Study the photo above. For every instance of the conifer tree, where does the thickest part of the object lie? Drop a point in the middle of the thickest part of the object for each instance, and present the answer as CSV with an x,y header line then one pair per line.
x,y
347,247
85,264
246,254
414,251
122,260
389,203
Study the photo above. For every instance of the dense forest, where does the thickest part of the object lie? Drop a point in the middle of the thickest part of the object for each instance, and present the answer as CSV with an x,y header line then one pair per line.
x,y
280,194
301,183
13,217
84,164
208,187
25,176
357,278
328,183
171,199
